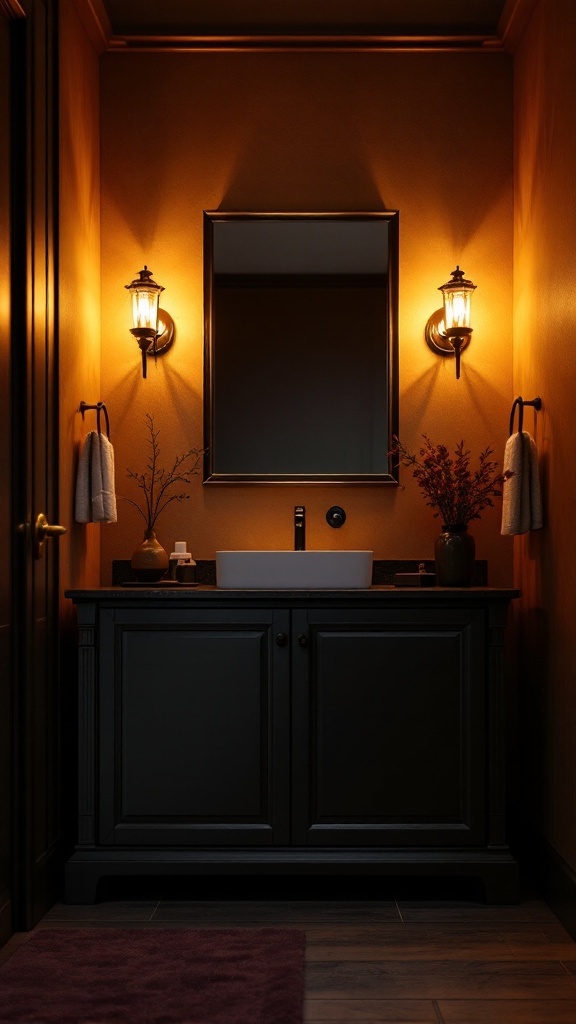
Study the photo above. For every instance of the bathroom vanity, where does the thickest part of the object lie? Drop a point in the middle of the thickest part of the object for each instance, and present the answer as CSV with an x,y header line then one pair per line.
x,y
342,732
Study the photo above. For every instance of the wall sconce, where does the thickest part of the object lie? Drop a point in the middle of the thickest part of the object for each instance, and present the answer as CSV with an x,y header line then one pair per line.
x,y
153,327
448,330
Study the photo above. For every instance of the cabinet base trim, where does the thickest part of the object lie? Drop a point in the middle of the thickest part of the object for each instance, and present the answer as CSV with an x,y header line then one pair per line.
x,y
497,869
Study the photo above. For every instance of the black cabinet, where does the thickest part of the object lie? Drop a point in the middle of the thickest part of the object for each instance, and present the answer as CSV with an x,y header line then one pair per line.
x,y
193,744
389,728
350,732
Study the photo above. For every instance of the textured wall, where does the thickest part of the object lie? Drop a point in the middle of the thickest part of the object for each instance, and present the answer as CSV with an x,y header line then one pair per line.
x,y
79,269
544,364
183,133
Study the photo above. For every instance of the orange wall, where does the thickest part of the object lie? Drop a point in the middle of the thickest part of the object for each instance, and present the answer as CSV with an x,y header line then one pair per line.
x,y
544,364
304,131
79,269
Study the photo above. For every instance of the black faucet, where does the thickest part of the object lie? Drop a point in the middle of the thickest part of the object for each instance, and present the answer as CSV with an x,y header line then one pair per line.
x,y
299,528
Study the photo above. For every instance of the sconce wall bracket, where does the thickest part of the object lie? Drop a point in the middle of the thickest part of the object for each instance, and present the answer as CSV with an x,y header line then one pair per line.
x,y
152,344
165,337
450,342
438,340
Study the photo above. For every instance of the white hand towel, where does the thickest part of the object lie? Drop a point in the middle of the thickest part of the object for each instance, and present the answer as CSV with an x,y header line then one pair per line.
x,y
536,514
83,512
95,487
108,485
522,501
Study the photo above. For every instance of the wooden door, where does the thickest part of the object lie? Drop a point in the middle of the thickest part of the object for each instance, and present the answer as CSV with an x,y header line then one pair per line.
x,y
6,748
34,453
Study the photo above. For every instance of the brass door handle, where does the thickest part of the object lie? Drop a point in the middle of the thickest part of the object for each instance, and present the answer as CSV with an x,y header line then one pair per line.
x,y
42,530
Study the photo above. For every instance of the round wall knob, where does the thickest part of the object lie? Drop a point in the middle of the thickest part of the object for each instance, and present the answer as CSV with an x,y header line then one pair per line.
x,y
281,639
303,640
336,516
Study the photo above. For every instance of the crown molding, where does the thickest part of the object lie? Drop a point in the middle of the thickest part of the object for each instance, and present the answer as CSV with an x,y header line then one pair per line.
x,y
301,42
513,21
96,22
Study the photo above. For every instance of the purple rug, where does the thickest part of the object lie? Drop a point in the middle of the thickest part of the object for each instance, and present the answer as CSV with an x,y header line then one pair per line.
x,y
155,976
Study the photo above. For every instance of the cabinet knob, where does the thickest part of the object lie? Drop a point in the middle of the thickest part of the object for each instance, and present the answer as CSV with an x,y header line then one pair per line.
x,y
303,640
281,639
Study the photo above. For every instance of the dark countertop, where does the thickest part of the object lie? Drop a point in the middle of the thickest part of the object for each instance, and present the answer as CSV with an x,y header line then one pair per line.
x,y
182,592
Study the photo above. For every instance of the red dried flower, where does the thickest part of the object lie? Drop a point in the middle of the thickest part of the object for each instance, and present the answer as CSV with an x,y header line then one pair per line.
x,y
458,493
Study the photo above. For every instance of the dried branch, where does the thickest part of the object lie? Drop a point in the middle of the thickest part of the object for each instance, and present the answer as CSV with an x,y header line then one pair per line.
x,y
155,482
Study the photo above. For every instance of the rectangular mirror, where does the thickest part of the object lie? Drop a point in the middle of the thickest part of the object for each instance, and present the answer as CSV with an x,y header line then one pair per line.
x,y
301,346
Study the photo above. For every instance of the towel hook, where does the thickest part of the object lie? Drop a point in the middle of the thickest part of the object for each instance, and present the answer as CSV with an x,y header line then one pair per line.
x,y
99,407
536,403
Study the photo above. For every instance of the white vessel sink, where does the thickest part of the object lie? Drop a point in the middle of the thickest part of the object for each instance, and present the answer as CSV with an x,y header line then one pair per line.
x,y
293,570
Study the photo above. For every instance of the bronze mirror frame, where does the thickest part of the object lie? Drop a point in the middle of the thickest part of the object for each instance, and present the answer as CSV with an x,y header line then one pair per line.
x,y
211,475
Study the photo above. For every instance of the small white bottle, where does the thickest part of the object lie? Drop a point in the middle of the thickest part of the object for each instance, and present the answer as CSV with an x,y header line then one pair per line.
x,y
180,556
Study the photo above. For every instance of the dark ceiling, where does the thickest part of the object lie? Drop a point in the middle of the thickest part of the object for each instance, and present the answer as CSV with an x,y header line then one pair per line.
x,y
277,17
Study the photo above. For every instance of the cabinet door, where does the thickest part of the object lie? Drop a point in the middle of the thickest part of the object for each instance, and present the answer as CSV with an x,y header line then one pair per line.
x,y
189,700
389,726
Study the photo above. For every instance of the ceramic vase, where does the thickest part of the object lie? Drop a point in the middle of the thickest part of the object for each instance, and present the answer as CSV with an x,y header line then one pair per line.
x,y
150,560
455,553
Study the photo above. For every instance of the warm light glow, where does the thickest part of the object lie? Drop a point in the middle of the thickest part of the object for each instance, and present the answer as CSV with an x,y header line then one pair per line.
x,y
457,309
145,308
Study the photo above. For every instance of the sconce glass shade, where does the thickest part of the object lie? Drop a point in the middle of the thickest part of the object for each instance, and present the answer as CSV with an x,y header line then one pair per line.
x,y
457,296
145,296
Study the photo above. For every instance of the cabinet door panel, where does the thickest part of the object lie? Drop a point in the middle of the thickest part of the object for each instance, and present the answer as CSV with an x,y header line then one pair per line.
x,y
389,733
191,759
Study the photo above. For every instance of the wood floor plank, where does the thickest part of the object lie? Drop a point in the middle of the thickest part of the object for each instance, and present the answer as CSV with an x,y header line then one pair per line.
x,y
128,910
553,932
509,1011
439,980
532,944
418,942
492,924
527,912
126,923
368,1011
254,913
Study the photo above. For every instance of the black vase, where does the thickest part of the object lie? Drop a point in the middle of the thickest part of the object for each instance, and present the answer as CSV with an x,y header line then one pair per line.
x,y
455,553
